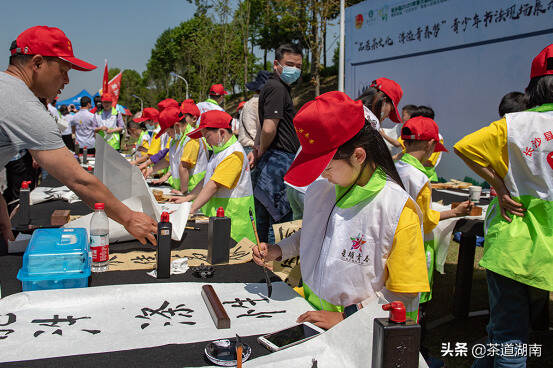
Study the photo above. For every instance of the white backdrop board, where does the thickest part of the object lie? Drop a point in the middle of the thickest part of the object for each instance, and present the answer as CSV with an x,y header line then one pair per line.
x,y
457,56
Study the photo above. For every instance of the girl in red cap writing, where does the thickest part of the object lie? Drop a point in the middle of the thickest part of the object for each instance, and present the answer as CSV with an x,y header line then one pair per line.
x,y
361,238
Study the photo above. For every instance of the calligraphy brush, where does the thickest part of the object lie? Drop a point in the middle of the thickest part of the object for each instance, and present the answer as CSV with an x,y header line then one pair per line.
x,y
267,280
238,352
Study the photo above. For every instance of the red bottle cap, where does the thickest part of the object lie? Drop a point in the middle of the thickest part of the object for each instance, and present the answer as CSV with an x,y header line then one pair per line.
x,y
84,147
99,206
89,168
220,212
397,312
25,184
164,217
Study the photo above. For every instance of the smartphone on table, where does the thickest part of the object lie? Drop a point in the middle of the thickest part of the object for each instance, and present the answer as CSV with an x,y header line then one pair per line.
x,y
290,336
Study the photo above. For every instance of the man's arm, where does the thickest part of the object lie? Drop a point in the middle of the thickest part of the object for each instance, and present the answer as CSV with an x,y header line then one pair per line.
x,y
120,125
63,166
268,133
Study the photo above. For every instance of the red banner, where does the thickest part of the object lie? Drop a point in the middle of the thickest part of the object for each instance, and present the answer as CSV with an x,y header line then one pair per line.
x,y
114,86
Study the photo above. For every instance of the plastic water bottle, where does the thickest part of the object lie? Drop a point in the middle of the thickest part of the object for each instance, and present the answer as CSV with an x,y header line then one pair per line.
x,y
99,239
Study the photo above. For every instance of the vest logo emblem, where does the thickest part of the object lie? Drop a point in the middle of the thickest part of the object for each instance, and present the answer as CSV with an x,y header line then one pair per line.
x,y
357,242
550,159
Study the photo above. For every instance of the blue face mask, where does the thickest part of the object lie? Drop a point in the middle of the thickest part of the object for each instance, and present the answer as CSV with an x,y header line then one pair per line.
x,y
178,136
150,128
289,74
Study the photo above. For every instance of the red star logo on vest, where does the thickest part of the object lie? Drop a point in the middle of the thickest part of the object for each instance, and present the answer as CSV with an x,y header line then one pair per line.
x,y
357,242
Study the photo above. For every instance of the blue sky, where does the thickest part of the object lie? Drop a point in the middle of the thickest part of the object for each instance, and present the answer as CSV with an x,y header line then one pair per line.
x,y
123,32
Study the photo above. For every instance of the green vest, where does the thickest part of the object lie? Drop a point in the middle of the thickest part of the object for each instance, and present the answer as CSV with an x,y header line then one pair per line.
x,y
114,139
237,201
522,250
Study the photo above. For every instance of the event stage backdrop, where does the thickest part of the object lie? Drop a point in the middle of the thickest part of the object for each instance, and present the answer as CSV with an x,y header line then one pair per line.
x,y
457,56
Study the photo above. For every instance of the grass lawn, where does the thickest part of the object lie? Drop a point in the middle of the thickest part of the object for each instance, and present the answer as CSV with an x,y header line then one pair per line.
x,y
472,330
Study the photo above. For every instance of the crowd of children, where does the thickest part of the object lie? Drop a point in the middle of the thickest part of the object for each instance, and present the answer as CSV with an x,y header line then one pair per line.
x,y
366,199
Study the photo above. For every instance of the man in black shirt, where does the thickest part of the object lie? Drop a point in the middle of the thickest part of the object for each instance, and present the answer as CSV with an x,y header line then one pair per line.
x,y
276,143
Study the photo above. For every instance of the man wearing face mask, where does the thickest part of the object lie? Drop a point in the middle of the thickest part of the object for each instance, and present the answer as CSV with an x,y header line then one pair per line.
x,y
276,142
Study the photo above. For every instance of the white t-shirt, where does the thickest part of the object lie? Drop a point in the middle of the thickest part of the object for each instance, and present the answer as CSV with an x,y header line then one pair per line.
x,y
25,123
84,124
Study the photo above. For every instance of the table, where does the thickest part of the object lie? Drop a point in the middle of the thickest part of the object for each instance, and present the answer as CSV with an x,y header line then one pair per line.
x,y
469,228
174,355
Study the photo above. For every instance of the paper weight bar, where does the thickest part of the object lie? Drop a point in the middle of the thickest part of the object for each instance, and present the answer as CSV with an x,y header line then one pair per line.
x,y
215,308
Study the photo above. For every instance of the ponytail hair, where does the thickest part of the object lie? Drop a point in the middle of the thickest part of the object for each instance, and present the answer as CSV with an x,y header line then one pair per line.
x,y
372,142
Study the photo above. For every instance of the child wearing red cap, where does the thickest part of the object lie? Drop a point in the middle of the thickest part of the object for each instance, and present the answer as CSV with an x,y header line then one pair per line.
x,y
421,138
382,99
185,157
149,119
361,237
227,181
109,122
515,155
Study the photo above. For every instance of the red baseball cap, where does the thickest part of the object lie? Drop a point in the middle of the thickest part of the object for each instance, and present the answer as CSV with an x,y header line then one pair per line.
x,y
107,97
322,126
149,113
168,102
240,105
188,101
543,63
48,41
190,108
394,92
168,118
211,119
218,90
420,128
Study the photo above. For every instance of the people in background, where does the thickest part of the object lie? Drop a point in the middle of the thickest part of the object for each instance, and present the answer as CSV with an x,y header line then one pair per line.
x,y
382,98
513,102
407,111
67,133
249,116
278,142
227,180
83,126
109,122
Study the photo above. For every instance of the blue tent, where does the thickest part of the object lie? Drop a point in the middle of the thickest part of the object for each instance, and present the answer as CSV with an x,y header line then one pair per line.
x,y
75,100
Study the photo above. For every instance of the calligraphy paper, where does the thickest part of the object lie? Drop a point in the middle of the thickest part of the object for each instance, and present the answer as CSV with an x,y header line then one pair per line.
x,y
50,323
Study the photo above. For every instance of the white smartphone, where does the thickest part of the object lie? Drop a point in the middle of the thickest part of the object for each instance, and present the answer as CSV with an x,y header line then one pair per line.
x,y
289,336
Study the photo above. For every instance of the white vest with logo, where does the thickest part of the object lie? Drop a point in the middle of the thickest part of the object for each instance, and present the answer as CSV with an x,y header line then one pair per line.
x,y
175,154
523,249
530,159
348,265
244,186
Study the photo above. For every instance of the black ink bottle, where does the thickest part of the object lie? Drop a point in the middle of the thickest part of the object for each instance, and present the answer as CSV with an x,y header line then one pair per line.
x,y
396,340
24,211
85,155
218,238
164,230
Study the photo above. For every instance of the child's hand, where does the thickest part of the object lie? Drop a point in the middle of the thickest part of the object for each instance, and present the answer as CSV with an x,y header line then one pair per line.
x,y
147,172
463,209
269,252
174,191
322,319
507,204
